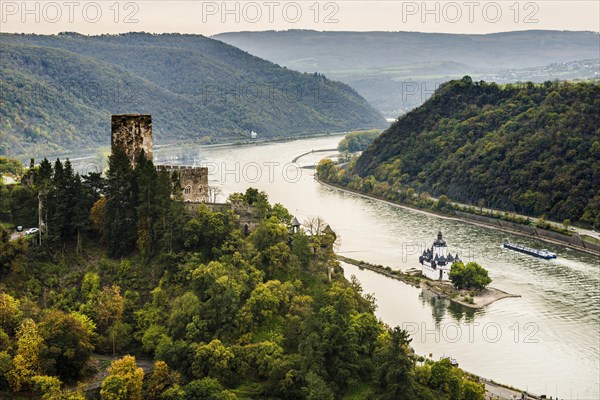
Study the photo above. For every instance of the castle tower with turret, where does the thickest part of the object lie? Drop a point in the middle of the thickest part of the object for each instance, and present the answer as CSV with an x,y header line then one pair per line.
x,y
437,260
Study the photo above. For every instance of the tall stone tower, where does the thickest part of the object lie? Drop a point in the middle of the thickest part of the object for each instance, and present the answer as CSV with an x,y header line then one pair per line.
x,y
134,133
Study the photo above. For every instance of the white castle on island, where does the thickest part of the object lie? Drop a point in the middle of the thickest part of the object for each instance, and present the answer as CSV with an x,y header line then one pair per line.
x,y
437,261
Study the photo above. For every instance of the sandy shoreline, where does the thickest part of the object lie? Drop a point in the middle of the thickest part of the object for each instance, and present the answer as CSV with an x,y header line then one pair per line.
x,y
482,298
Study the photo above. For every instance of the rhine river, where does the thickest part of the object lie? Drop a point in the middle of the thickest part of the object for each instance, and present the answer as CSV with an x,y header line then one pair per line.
x,y
546,341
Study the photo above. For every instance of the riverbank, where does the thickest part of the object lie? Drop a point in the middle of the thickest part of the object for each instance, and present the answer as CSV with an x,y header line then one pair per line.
x,y
493,390
467,298
487,222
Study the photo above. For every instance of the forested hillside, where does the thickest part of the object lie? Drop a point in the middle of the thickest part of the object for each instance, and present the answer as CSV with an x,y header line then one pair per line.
x,y
210,311
531,149
398,71
57,92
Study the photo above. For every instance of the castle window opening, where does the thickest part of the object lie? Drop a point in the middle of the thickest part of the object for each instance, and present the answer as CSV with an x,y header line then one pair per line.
x,y
188,189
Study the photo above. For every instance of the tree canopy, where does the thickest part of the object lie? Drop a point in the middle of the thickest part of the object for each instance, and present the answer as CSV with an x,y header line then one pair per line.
x,y
470,276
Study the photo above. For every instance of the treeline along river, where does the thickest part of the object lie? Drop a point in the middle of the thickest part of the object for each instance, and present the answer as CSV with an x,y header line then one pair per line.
x,y
546,341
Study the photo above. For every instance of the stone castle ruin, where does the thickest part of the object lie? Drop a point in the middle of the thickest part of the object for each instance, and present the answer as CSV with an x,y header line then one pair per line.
x,y
194,182
133,132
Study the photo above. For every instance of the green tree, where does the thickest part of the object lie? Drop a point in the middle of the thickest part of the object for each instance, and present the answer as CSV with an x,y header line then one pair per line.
x,y
154,202
394,366
46,387
329,347
470,276
316,388
445,380
207,388
212,360
472,390
208,230
11,166
10,250
5,367
183,310
67,345
118,336
24,205
281,213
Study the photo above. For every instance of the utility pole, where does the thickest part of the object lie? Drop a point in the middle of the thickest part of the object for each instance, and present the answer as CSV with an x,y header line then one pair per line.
x,y
39,219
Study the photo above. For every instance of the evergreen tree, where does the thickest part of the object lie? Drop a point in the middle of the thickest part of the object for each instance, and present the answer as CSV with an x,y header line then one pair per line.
x,y
81,210
93,185
55,209
395,364
120,214
176,217
149,210
43,182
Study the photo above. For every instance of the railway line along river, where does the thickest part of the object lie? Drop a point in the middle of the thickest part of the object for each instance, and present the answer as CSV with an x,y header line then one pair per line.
x,y
545,341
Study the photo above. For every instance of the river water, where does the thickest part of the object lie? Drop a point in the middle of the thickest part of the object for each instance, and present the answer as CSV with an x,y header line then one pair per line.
x,y
546,341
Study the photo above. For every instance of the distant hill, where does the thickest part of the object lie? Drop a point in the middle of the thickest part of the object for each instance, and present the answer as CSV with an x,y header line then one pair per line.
x,y
397,71
533,149
57,92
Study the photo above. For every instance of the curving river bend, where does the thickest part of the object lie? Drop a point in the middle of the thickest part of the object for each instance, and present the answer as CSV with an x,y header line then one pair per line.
x,y
546,341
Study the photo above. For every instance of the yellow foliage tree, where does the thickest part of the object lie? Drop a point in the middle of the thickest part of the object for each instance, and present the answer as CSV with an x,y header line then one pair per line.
x,y
162,378
124,381
9,313
109,307
97,216
26,363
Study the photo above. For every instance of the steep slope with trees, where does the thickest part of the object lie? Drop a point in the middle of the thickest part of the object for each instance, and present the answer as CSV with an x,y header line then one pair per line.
x,y
58,92
398,71
223,314
531,149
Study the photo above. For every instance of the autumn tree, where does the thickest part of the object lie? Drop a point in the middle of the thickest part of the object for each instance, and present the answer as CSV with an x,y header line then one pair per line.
x,y
109,307
124,381
161,379
26,363
10,313
49,388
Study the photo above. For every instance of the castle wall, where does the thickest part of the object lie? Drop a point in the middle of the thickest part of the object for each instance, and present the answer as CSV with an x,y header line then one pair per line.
x,y
133,132
434,273
194,182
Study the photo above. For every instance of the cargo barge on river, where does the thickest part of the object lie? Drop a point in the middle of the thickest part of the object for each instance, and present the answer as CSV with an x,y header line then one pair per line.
x,y
532,252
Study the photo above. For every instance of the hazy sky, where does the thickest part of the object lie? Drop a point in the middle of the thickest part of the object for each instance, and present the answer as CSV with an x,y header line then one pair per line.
x,y
211,17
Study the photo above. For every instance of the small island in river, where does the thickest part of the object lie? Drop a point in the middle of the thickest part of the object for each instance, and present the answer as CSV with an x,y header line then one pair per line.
x,y
469,298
